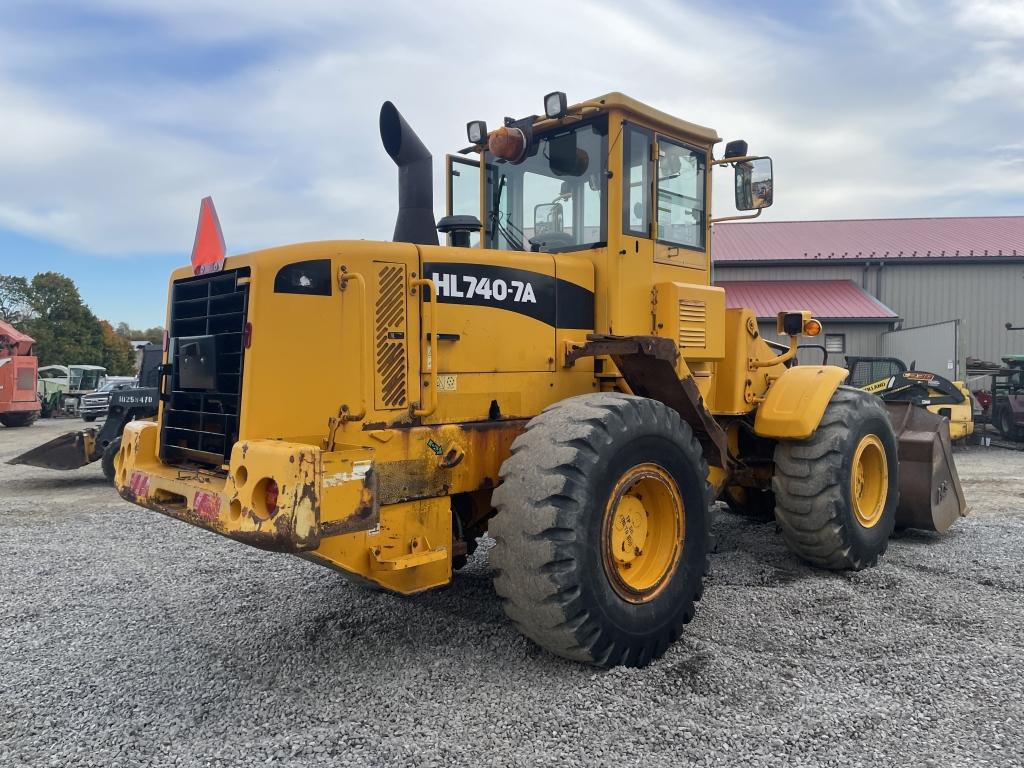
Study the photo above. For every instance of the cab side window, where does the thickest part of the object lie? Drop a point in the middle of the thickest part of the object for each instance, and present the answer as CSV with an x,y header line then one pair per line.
x,y
464,191
680,195
636,199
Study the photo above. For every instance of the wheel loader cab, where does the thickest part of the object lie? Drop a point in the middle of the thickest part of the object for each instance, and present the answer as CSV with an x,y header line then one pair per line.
x,y
562,365
613,181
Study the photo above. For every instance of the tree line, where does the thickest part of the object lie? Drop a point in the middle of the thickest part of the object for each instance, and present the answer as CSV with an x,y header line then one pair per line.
x,y
50,309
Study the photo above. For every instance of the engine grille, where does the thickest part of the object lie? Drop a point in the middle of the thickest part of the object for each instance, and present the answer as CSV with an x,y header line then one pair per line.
x,y
201,425
693,323
390,336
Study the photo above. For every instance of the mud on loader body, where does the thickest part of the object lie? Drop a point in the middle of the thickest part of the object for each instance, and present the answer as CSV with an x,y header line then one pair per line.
x,y
561,375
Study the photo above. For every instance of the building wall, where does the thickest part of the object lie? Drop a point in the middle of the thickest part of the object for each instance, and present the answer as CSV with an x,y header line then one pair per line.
x,y
859,338
817,271
982,296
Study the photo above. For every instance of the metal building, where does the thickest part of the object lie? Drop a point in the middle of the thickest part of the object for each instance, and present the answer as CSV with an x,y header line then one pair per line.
x,y
854,321
967,273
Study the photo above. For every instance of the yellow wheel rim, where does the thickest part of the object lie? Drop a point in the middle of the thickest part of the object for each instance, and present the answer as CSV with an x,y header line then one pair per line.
x,y
643,531
869,481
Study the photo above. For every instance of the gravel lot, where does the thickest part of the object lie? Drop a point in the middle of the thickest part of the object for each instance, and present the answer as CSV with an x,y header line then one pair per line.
x,y
130,639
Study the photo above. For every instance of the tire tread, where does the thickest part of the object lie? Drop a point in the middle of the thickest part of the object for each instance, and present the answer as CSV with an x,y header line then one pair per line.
x,y
535,577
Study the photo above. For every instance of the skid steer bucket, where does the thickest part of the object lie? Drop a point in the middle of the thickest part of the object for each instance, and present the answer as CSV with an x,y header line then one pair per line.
x,y
69,451
930,494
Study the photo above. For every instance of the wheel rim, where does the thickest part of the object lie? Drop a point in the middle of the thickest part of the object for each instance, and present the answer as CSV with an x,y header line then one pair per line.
x,y
869,483
643,532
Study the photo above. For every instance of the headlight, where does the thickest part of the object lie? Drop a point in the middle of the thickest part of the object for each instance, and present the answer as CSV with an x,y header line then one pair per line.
x,y
476,131
555,105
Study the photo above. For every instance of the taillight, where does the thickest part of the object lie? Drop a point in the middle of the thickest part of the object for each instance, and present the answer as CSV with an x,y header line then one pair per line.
x,y
166,337
247,335
270,497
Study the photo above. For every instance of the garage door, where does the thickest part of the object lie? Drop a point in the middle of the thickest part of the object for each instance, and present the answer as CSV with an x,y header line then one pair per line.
x,y
933,348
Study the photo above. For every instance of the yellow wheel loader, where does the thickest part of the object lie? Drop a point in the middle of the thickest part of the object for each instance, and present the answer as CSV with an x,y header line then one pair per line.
x,y
890,379
561,374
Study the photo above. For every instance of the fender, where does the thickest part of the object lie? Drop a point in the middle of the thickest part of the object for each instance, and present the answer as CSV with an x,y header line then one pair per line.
x,y
796,401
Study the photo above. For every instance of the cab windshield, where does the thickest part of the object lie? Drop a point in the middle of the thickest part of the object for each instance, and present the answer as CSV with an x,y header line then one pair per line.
x,y
554,200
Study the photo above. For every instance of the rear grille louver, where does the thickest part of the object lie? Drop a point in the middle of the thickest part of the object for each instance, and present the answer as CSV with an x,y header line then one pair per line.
x,y
390,337
693,320
201,425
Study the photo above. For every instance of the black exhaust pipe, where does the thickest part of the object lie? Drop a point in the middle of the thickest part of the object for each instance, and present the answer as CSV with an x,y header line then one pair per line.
x,y
415,223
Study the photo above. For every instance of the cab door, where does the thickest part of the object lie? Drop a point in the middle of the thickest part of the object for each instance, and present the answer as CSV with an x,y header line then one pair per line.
x,y
680,221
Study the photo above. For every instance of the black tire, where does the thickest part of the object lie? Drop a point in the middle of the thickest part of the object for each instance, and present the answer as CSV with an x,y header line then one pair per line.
x,y
551,536
107,460
19,419
89,419
755,503
1005,425
812,484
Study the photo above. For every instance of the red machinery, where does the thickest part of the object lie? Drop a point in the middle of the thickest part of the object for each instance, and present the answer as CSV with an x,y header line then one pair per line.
x,y
19,405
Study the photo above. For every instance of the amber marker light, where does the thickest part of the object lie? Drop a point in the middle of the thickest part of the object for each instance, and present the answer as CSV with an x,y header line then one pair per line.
x,y
508,143
812,327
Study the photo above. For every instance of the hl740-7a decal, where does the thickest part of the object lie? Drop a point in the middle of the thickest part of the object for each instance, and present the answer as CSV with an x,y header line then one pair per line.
x,y
516,290
551,300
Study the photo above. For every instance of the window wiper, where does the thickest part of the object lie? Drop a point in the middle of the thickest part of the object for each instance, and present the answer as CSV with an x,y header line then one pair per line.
x,y
511,238
495,217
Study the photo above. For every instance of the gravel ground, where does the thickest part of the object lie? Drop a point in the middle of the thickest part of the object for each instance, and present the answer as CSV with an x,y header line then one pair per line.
x,y
130,639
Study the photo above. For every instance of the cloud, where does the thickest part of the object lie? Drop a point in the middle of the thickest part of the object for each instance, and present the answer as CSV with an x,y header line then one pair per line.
x,y
1001,19
108,142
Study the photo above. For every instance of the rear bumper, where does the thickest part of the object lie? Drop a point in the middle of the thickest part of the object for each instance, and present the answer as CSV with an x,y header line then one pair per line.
x,y
320,494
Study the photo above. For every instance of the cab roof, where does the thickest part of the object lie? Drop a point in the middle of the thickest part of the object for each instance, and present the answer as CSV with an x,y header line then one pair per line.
x,y
656,117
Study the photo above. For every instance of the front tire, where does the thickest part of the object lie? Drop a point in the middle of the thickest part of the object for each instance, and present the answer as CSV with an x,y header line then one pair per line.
x,y
601,535
109,457
1005,424
836,492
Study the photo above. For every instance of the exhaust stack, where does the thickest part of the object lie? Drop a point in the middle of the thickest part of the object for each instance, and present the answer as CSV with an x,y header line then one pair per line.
x,y
415,223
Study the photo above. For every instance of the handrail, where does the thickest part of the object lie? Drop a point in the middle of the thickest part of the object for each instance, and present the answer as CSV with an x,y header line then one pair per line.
x,y
430,334
783,358
344,276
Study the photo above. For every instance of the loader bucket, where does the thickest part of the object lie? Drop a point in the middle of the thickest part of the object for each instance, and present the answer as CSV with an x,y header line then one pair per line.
x,y
931,497
69,451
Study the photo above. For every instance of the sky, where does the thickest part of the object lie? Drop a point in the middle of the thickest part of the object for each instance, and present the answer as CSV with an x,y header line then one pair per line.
x,y
118,116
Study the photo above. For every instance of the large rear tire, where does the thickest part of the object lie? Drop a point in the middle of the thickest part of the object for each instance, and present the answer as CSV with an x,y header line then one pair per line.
x,y
601,533
836,492
19,419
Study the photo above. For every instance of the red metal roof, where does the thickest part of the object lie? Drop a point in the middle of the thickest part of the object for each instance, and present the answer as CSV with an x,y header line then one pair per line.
x,y
965,238
826,299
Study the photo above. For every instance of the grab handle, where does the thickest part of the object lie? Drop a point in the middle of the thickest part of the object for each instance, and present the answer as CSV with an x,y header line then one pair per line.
x,y
344,276
431,337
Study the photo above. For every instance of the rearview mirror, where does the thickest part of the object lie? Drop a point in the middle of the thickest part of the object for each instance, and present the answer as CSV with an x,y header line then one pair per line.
x,y
754,184
547,218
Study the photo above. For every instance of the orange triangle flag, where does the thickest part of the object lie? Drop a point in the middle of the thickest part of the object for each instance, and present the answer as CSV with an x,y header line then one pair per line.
x,y
208,250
